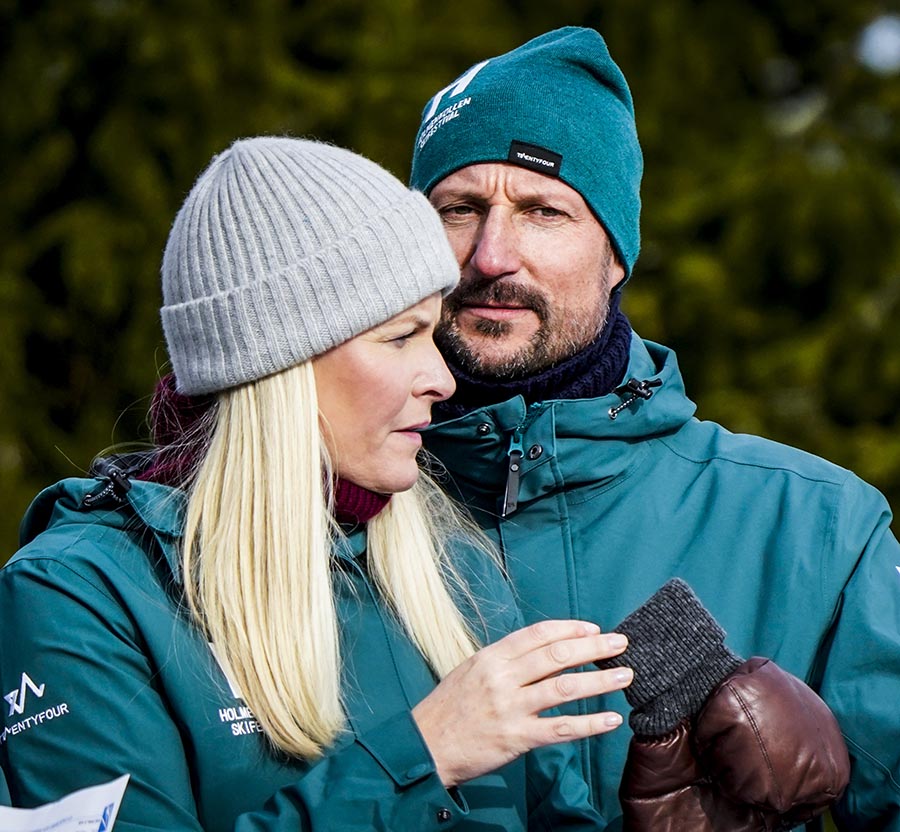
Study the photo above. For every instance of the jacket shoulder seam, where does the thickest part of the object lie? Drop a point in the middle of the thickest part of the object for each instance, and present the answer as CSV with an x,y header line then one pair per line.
x,y
840,478
58,559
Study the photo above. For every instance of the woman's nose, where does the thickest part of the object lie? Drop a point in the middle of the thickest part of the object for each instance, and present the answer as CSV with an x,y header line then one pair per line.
x,y
438,381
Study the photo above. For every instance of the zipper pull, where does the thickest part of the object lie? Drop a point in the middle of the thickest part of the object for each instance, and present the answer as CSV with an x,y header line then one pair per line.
x,y
513,472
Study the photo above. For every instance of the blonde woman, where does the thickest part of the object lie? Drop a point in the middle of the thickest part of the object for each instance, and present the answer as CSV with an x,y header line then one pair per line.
x,y
275,621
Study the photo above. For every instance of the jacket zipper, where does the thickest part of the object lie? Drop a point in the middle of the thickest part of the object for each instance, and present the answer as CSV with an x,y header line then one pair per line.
x,y
513,473
514,459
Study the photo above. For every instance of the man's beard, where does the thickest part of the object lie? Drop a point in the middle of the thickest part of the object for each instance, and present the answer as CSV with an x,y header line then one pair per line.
x,y
552,342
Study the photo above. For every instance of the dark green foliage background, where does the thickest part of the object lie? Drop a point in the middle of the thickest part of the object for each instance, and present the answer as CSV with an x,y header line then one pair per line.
x,y
771,252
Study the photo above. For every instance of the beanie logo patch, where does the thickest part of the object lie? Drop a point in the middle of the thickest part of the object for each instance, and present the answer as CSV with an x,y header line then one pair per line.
x,y
534,158
432,121
446,115
458,87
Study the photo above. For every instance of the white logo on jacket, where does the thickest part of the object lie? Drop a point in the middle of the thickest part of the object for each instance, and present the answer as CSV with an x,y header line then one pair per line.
x,y
241,717
16,698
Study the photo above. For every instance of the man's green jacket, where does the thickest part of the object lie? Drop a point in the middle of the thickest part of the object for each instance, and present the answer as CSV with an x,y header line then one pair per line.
x,y
104,673
607,498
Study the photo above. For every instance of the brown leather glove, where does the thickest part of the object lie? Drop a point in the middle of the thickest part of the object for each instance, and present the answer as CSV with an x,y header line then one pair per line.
x,y
767,739
764,753
664,789
719,744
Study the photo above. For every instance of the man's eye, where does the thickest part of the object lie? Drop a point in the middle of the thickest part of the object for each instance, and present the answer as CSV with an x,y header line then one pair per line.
x,y
453,211
546,211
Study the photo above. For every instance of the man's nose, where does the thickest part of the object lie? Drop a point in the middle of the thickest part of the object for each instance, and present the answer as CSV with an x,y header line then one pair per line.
x,y
496,249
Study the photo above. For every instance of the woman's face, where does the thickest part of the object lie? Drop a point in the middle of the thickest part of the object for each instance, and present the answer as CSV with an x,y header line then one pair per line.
x,y
375,394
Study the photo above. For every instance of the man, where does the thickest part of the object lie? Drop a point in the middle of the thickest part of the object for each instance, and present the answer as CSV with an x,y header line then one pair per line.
x,y
573,440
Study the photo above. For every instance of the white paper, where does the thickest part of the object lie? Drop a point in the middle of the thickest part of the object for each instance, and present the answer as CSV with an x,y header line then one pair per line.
x,y
88,810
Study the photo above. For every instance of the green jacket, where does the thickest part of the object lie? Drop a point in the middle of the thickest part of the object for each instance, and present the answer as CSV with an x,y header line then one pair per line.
x,y
793,555
107,675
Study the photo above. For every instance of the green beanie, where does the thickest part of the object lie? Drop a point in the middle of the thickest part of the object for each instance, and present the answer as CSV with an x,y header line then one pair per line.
x,y
558,105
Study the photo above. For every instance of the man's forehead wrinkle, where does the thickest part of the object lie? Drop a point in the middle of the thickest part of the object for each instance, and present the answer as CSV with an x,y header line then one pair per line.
x,y
482,182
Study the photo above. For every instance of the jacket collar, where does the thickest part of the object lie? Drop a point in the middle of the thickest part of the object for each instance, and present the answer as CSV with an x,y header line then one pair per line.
x,y
475,448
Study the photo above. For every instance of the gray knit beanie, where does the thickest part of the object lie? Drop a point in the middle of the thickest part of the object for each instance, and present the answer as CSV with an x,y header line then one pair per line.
x,y
285,248
558,105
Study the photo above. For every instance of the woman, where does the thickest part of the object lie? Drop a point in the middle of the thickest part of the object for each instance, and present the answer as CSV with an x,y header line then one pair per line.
x,y
276,622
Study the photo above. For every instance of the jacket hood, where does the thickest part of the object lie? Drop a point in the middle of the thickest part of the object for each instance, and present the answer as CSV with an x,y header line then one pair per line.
x,y
68,501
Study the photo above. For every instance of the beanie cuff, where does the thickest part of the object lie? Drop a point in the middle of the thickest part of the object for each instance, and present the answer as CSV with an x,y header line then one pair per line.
x,y
278,322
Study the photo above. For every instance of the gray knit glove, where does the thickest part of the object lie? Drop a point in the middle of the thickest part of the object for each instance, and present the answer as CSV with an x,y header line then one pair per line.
x,y
678,654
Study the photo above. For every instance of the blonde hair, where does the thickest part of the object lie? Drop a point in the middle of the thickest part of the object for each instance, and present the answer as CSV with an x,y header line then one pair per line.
x,y
257,560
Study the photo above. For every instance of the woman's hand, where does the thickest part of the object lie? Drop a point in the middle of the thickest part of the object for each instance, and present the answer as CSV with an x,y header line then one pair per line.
x,y
486,712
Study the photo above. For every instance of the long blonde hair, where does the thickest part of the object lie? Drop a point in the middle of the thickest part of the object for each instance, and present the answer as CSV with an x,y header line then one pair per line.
x,y
257,559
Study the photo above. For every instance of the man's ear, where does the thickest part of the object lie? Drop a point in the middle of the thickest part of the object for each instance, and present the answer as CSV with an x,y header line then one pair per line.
x,y
616,274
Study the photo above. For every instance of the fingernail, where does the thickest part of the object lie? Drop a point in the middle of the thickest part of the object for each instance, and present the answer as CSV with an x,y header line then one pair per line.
x,y
617,640
624,675
589,628
613,719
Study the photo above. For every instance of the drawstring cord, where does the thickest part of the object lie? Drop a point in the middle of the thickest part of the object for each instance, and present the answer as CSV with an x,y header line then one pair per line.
x,y
636,390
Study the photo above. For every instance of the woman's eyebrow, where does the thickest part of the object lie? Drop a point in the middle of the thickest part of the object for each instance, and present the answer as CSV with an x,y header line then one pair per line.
x,y
414,320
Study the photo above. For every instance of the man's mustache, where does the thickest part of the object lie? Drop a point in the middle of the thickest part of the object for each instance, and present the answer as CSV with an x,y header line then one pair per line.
x,y
496,292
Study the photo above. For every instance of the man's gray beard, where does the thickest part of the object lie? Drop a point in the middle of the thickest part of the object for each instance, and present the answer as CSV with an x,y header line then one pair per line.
x,y
541,352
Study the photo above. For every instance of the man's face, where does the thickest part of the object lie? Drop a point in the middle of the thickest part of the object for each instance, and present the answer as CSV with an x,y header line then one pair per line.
x,y
537,269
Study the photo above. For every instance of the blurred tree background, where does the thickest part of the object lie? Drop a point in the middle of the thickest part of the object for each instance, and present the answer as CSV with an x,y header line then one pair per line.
x,y
771,230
